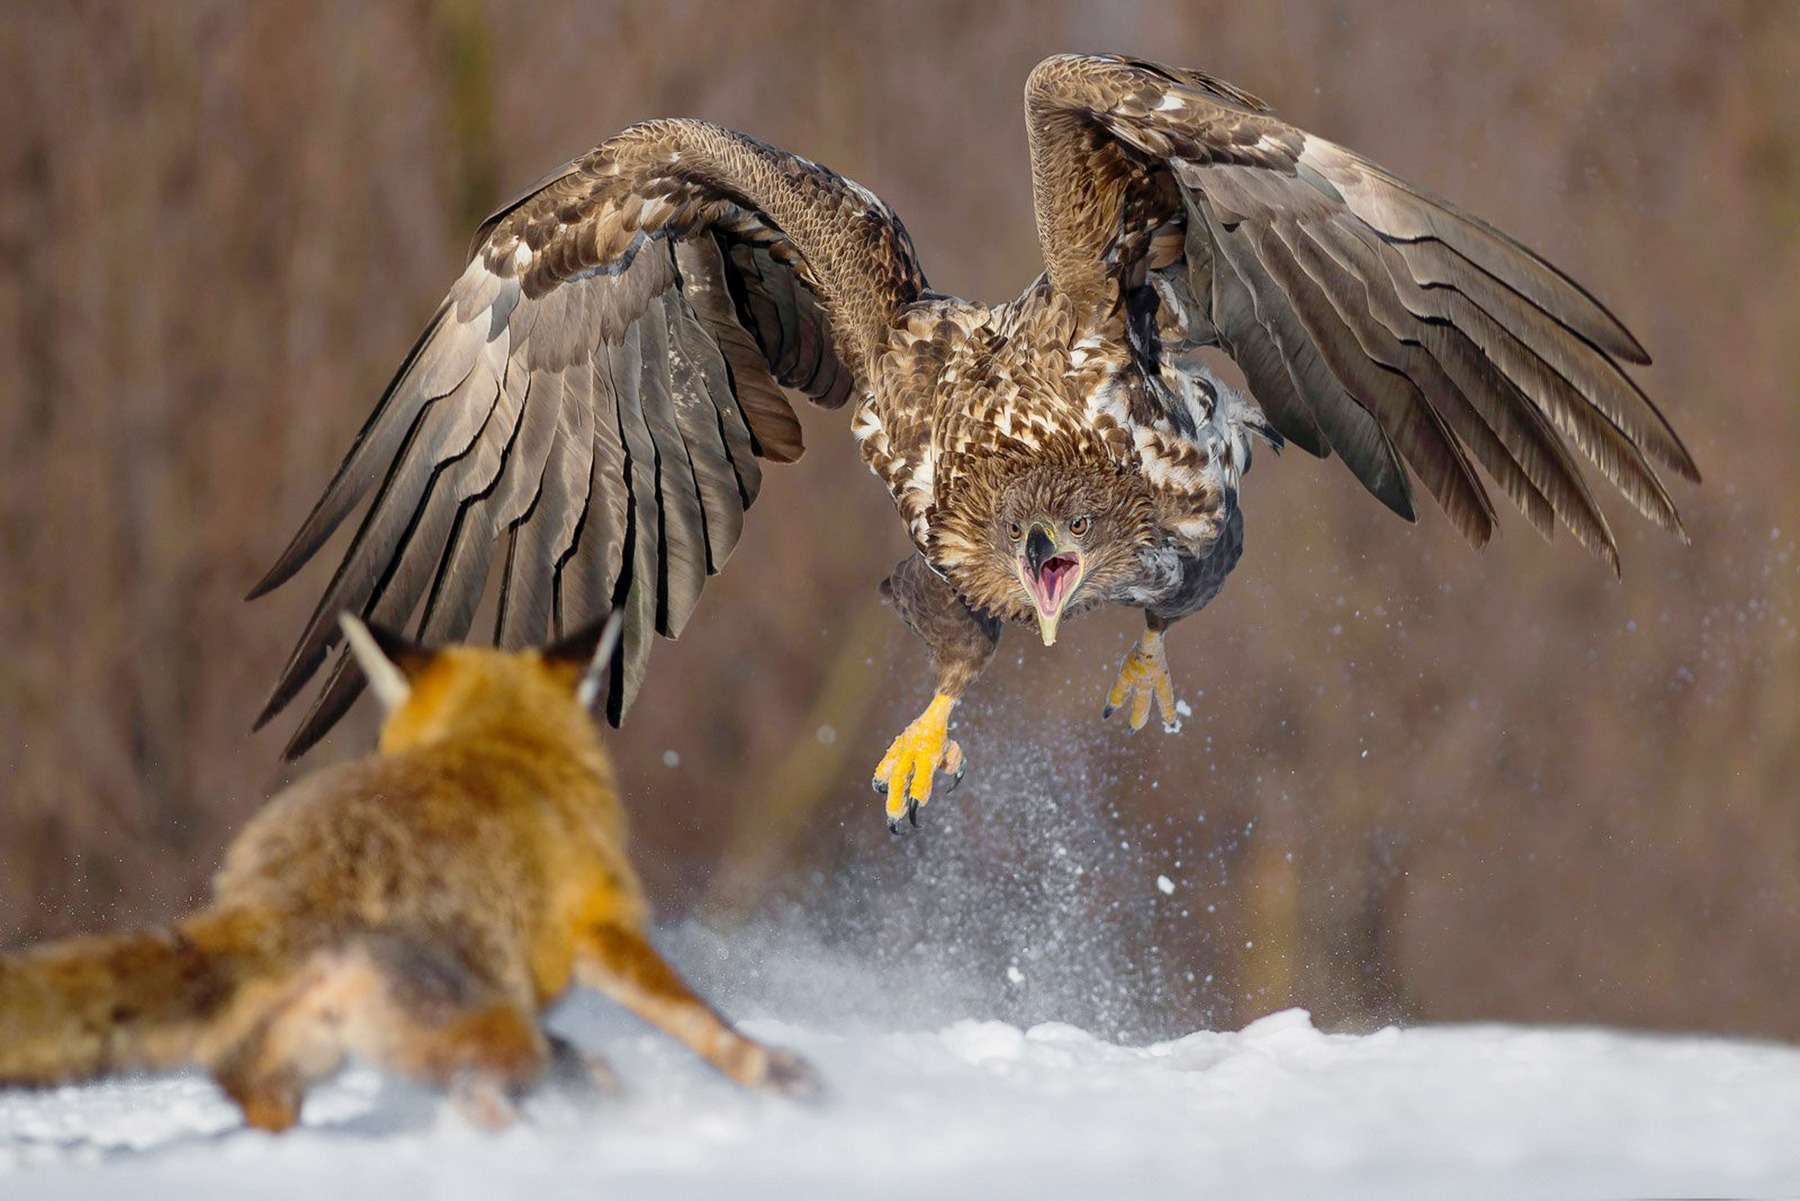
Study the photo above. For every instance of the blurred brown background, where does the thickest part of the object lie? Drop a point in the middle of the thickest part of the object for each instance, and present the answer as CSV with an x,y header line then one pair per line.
x,y
1419,782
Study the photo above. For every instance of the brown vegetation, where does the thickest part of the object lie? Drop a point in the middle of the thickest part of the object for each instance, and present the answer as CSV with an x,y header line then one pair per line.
x,y
1437,784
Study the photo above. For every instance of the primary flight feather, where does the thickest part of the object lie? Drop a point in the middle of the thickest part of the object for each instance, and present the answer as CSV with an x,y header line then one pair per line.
x,y
592,399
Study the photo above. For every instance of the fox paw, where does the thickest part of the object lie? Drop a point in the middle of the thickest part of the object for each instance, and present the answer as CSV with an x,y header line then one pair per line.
x,y
789,1075
483,1101
1144,676
912,762
580,1072
270,1112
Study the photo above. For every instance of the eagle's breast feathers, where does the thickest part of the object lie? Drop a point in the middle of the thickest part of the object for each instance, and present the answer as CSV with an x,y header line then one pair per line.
x,y
969,402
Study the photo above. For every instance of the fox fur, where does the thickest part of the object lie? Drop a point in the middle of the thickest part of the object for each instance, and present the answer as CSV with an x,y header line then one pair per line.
x,y
418,907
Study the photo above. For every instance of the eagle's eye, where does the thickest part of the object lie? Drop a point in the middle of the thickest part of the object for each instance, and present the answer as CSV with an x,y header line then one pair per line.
x,y
1016,531
1079,526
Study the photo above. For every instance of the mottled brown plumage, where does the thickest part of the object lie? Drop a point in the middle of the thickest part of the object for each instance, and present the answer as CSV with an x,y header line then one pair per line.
x,y
597,389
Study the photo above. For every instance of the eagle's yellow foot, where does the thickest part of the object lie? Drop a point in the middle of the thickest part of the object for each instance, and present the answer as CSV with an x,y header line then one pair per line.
x,y
1145,674
923,749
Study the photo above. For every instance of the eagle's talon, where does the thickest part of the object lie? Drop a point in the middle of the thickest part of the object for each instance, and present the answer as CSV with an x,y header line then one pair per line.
x,y
915,758
1143,678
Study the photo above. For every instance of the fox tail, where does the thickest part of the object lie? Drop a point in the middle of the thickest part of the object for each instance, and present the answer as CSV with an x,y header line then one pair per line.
x,y
94,1006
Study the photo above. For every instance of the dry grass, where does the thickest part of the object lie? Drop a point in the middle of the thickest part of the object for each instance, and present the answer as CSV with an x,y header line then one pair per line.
x,y
1494,785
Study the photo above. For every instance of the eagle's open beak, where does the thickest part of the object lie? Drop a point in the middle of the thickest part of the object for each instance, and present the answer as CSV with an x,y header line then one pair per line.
x,y
1051,571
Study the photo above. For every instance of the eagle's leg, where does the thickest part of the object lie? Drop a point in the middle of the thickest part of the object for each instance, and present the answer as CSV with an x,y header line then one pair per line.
x,y
961,643
1145,676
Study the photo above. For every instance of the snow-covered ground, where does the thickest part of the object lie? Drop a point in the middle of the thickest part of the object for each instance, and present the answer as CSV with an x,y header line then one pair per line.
x,y
977,1108
981,1000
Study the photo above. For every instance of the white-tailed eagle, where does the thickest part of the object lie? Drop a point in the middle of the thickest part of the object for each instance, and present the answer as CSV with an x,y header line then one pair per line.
x,y
593,398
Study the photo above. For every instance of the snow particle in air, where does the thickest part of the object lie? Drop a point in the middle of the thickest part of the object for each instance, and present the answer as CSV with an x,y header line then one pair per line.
x,y
1165,886
671,759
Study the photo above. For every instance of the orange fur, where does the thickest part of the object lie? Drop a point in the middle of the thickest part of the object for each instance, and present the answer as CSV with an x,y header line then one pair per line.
x,y
418,907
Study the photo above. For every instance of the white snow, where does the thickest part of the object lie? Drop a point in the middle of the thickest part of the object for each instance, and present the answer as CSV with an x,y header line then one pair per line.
x,y
973,1107
962,993
1165,886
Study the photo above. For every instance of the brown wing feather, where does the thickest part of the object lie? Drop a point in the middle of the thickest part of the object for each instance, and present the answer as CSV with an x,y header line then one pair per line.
x,y
1369,317
596,391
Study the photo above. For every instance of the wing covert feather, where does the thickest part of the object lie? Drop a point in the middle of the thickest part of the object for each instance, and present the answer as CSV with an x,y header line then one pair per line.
x,y
1369,317
595,392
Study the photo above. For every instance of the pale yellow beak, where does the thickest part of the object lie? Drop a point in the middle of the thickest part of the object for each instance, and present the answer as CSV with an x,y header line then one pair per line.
x,y
1051,570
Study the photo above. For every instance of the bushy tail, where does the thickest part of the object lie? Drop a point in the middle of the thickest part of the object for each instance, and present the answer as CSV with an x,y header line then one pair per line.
x,y
93,1006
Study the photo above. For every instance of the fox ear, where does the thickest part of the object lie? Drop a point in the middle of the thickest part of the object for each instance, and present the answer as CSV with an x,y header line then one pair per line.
x,y
386,659
591,648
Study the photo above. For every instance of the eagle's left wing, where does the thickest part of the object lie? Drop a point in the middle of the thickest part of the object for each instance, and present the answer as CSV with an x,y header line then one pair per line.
x,y
1368,317
591,400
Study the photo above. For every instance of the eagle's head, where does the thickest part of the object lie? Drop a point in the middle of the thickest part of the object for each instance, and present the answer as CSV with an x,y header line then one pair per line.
x,y
1045,540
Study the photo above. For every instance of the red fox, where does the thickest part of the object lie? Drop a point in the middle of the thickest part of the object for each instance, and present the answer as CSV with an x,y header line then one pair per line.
x,y
418,907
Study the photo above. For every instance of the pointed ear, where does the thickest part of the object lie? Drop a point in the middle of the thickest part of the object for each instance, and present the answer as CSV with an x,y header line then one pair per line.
x,y
591,648
387,659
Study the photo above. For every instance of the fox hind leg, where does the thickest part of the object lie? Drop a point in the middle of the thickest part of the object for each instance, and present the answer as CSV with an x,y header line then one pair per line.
x,y
618,962
434,1020
485,1056
398,1005
287,1043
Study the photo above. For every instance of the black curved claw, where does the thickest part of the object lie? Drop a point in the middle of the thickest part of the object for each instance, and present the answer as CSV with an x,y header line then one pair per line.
x,y
893,825
1108,710
956,779
879,785
912,812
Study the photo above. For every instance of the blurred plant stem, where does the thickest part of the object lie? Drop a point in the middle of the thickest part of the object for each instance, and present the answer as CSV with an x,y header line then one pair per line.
x,y
462,29
1267,966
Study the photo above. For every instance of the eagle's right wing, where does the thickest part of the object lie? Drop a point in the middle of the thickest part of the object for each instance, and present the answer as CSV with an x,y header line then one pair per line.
x,y
593,395
1369,317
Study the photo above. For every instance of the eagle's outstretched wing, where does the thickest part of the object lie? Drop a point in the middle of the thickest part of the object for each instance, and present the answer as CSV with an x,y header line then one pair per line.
x,y
1368,317
595,392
